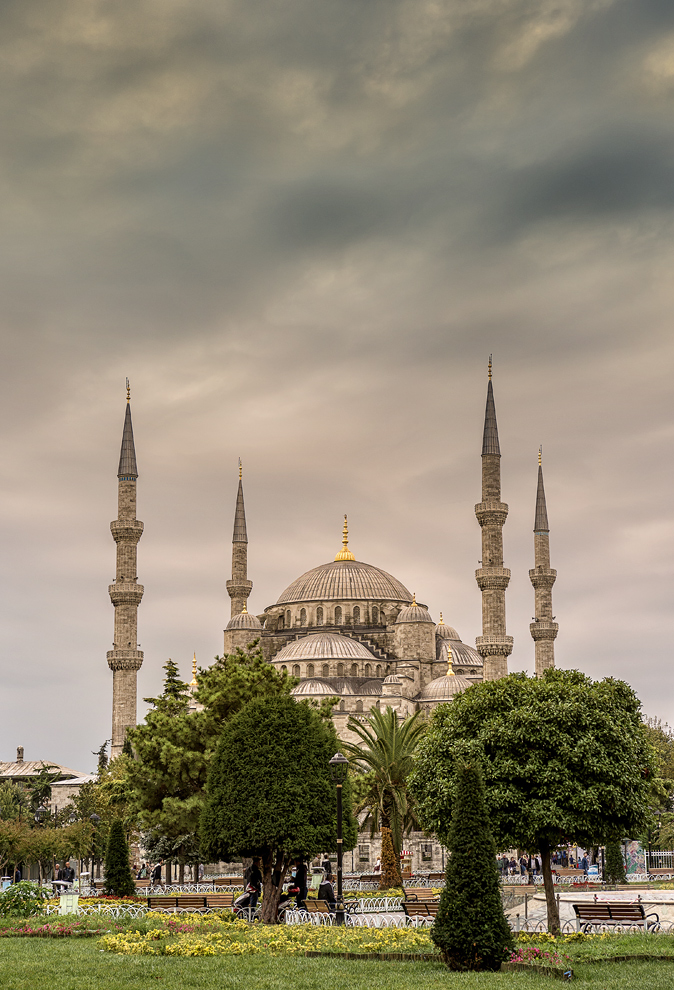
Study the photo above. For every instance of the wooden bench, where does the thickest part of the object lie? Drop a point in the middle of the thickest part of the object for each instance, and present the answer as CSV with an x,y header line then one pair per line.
x,y
165,902
314,906
661,871
613,913
223,900
436,876
421,908
419,894
370,878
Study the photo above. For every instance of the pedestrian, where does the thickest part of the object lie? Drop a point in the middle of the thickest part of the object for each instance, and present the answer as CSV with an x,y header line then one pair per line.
x,y
69,873
326,892
300,882
584,864
326,866
17,875
142,872
156,872
523,865
377,865
253,878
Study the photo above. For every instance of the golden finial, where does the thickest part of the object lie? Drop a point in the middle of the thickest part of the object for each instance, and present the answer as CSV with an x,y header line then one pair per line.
x,y
450,669
442,621
128,391
345,553
540,455
193,682
240,470
244,610
490,367
414,599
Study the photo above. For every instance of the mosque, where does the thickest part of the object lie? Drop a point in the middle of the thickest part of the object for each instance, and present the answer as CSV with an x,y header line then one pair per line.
x,y
348,629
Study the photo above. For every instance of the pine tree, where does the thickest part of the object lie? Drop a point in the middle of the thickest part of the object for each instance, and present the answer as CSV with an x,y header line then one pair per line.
x,y
471,929
614,870
118,878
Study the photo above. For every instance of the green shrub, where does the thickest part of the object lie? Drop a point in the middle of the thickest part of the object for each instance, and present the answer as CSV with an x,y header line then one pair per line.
x,y
23,899
614,869
118,877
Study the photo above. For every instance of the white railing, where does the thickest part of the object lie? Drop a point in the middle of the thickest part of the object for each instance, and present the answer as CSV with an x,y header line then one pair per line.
x,y
109,910
659,859
363,905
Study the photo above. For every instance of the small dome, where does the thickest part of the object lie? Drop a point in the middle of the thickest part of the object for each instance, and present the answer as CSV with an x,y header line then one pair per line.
x,y
323,646
444,688
446,632
244,620
414,613
391,679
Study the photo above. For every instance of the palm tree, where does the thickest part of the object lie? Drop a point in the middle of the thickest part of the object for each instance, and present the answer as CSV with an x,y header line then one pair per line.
x,y
385,760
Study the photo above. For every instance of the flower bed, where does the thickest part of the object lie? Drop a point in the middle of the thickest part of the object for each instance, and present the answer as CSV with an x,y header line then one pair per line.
x,y
215,935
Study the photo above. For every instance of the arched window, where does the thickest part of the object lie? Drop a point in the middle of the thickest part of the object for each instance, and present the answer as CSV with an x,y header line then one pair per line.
x,y
288,618
342,706
319,615
375,615
368,670
326,670
280,623
338,615
303,617
356,615
340,670
296,670
359,706
378,670
284,669
354,670
310,670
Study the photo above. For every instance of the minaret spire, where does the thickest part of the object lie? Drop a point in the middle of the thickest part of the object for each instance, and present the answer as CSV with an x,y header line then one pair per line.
x,y
494,646
542,576
125,659
239,588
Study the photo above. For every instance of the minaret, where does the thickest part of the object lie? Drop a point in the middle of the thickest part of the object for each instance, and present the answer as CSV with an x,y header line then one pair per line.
x,y
125,659
543,629
239,588
492,578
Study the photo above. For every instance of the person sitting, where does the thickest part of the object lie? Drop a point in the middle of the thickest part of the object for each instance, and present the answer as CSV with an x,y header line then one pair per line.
x,y
326,892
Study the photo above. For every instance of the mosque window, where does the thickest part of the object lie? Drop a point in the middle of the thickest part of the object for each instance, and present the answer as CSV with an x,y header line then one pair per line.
x,y
359,706
296,670
284,669
342,706
340,670
288,618
375,615
281,622
354,670
310,670
319,615
368,670
338,615
303,617
356,615
378,670
326,670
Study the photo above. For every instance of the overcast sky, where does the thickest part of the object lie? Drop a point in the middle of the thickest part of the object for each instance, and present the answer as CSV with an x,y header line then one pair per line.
x,y
300,228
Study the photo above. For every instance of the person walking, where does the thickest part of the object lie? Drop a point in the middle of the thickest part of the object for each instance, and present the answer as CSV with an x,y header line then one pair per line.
x,y
156,873
300,882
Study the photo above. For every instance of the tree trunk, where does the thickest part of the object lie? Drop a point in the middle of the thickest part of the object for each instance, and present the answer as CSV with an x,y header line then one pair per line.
x,y
181,873
271,894
548,883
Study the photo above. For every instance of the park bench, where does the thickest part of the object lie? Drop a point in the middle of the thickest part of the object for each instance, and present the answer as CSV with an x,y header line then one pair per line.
x,y
419,894
614,913
661,871
228,882
180,902
440,877
370,878
421,908
316,907
222,900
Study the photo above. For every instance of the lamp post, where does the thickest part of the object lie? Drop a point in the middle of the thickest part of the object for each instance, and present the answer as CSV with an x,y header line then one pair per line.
x,y
339,766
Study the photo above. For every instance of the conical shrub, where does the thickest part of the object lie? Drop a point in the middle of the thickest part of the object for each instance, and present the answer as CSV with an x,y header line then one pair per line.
x,y
118,877
471,929
614,868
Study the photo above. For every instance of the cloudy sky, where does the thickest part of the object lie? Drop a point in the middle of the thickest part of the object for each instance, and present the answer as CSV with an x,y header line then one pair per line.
x,y
300,228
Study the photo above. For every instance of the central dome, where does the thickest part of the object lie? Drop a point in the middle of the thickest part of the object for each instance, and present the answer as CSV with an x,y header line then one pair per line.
x,y
345,580
323,646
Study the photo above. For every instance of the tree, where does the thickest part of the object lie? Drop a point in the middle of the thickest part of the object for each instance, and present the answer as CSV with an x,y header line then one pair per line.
x,y
13,800
385,759
614,867
471,929
39,786
270,792
173,749
118,878
565,760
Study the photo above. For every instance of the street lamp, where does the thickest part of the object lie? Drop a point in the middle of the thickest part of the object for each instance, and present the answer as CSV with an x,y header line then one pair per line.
x,y
339,766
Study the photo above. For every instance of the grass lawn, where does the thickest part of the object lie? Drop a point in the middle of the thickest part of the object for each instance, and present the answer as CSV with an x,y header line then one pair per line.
x,y
68,964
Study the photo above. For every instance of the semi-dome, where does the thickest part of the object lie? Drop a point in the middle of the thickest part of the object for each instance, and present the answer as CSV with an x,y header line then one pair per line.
x,y
371,687
345,580
414,613
323,646
244,620
462,654
314,686
444,688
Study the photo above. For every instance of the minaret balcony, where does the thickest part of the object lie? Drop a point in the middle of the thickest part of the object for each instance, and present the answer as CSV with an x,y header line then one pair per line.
x,y
238,588
494,646
492,578
125,659
126,530
125,594
543,629
491,513
543,577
